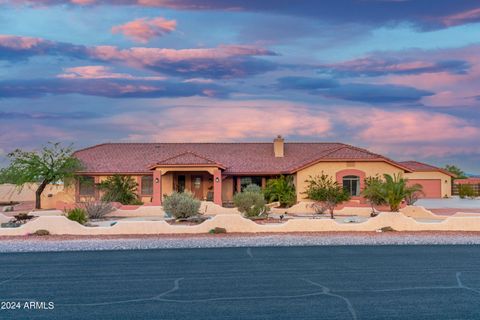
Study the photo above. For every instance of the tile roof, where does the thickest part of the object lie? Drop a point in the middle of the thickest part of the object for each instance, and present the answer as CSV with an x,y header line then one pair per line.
x,y
423,167
187,158
236,158
467,181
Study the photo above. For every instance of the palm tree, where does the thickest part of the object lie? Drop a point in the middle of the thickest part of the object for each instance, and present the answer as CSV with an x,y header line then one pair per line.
x,y
395,189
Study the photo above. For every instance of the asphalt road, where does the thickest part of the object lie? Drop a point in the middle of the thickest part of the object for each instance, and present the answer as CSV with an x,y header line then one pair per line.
x,y
345,282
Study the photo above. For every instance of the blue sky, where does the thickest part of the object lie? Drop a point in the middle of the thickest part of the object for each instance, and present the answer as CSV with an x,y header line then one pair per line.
x,y
399,77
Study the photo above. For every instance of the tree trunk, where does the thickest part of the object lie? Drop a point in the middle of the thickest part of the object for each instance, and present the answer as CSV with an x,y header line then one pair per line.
x,y
38,194
331,213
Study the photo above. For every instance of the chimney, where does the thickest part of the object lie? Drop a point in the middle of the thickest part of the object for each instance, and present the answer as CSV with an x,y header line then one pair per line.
x,y
278,146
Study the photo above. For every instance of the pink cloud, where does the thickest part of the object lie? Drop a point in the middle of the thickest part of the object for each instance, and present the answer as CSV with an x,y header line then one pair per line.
x,y
417,133
213,123
144,29
461,18
100,72
17,43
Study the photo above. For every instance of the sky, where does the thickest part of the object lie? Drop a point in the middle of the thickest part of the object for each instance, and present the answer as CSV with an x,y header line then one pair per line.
x,y
398,77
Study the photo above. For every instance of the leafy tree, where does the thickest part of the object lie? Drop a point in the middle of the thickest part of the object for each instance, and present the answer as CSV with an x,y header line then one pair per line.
x,y
119,188
372,192
53,163
324,189
282,190
395,189
456,171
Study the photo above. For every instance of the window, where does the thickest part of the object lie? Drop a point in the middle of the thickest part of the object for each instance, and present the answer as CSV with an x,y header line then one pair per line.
x,y
86,186
351,184
245,181
147,185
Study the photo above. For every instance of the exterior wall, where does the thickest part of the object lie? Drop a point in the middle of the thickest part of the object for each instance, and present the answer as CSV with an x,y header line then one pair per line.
x,y
426,178
332,168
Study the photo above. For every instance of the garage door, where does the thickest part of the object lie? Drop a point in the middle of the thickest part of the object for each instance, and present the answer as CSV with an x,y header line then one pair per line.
x,y
432,188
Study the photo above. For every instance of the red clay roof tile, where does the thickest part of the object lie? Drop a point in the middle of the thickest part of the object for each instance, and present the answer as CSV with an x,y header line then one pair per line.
x,y
237,158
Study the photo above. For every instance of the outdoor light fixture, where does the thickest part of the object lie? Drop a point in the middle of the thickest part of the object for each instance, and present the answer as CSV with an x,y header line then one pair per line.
x,y
157,180
217,179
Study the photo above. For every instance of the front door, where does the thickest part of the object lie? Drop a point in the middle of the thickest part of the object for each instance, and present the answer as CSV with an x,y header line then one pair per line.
x,y
197,187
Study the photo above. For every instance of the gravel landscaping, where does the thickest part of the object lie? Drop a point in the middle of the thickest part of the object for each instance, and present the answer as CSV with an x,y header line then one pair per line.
x,y
71,243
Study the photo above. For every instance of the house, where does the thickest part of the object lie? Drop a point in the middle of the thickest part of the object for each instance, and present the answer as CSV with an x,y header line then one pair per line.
x,y
216,171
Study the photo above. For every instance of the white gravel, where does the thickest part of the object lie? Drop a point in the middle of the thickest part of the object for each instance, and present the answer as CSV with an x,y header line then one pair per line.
x,y
38,244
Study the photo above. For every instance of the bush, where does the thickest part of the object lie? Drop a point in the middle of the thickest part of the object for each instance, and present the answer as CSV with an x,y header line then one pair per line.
x,y
252,188
466,191
282,190
217,230
250,203
97,209
41,232
79,215
121,189
329,193
181,205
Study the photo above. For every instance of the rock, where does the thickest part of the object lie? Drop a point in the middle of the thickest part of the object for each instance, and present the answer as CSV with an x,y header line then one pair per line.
x,y
7,209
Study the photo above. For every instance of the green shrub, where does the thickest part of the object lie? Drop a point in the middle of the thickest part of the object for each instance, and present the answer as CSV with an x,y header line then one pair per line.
x,y
282,190
181,205
250,203
324,189
121,189
78,215
466,191
41,232
217,230
252,188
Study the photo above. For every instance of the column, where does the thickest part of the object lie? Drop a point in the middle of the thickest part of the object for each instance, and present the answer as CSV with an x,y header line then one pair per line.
x,y
217,187
157,188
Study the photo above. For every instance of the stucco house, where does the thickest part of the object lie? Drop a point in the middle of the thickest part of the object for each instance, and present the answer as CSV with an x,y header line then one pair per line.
x,y
216,171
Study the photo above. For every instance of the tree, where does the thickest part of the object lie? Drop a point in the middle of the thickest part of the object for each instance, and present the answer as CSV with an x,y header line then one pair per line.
x,y
372,192
119,188
322,188
53,163
456,171
394,190
282,190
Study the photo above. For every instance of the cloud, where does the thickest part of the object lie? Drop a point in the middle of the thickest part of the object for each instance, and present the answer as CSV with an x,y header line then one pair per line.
x,y
100,72
144,29
19,48
111,88
46,115
212,123
306,83
225,61
380,66
421,13
413,133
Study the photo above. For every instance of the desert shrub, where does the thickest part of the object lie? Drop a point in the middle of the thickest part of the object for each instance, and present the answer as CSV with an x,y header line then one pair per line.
x,y
252,188
79,215
181,205
217,230
121,189
97,209
250,203
41,232
323,189
282,190
466,191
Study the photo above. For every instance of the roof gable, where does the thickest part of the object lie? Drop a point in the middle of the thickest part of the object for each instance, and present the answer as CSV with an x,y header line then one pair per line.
x,y
187,158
